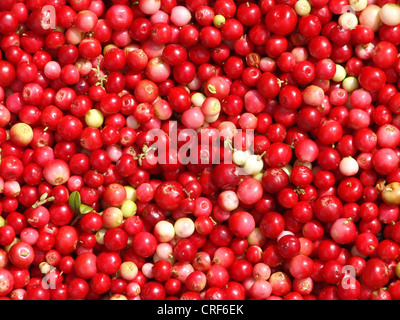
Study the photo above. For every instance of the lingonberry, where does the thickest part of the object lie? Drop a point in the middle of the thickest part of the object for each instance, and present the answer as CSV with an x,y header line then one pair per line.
x,y
292,108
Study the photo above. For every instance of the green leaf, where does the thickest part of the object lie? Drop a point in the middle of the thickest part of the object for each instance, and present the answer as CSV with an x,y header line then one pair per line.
x,y
74,201
83,209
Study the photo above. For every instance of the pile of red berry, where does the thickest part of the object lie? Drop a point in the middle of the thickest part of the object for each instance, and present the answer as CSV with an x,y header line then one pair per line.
x,y
199,149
